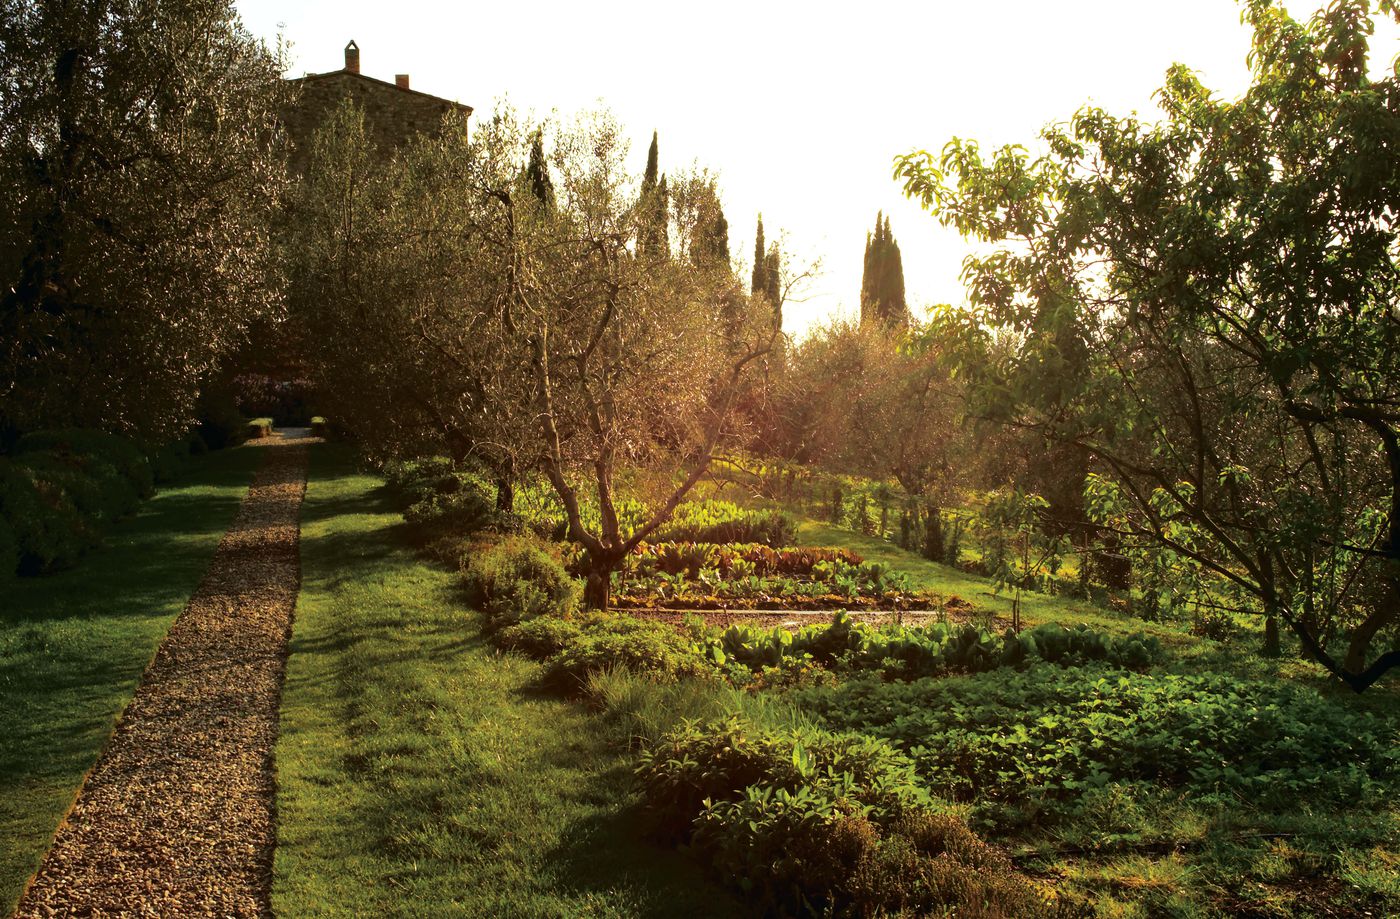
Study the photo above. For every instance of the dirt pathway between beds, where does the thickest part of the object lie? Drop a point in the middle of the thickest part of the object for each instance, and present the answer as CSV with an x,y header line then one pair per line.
x,y
177,816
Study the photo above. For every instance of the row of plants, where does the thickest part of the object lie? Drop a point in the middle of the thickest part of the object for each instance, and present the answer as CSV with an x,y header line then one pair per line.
x,y
1002,535
708,576
909,652
61,490
737,560
531,604
1024,746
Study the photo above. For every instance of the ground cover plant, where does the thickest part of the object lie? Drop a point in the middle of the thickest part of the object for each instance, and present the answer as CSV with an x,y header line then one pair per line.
x,y
74,644
1101,776
817,823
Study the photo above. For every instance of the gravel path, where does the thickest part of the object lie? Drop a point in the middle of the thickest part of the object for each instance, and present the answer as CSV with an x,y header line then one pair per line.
x,y
176,818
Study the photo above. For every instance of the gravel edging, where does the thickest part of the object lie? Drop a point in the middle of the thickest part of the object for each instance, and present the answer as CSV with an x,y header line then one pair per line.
x,y
177,816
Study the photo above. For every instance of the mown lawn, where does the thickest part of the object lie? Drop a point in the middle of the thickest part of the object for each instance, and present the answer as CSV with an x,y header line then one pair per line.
x,y
73,646
420,772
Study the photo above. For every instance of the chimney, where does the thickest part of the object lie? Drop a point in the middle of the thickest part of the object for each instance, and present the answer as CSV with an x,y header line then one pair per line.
x,y
401,80
352,57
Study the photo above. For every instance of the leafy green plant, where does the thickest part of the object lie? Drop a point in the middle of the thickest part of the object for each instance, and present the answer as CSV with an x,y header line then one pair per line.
x,y
1027,745
611,641
810,822
518,579
723,522
540,638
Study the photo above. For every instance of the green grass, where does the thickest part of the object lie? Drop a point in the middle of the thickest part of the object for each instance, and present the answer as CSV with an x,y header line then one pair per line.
x,y
73,646
423,774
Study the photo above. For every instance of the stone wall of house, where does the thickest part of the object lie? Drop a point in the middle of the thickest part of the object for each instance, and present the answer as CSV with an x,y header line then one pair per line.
x,y
392,115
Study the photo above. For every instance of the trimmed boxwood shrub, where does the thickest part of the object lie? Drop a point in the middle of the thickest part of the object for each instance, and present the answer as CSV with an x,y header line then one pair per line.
x,y
49,530
129,461
259,427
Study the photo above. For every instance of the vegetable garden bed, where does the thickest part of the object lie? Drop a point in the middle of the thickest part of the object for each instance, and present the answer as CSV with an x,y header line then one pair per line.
x,y
796,619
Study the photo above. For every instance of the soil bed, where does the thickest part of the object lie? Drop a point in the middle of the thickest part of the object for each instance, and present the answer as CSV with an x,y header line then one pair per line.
x,y
796,619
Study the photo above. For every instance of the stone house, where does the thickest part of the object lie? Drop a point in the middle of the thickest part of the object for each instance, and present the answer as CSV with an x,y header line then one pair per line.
x,y
394,112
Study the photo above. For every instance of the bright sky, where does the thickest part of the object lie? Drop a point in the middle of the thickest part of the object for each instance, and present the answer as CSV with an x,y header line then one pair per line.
x,y
799,107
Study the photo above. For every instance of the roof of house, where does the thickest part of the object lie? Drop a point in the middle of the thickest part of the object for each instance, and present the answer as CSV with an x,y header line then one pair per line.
x,y
394,86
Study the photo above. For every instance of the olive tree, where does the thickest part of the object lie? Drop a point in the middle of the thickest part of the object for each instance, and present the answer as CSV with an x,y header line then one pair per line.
x,y
450,304
1233,272
141,167
398,269
637,355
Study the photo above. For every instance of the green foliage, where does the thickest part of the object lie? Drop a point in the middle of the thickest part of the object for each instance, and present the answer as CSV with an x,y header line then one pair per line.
x,y
47,526
152,173
910,652
738,560
518,579
441,500
1127,299
698,765
541,637
724,522
96,489
809,822
127,458
700,576
62,489
608,642
1027,745
882,278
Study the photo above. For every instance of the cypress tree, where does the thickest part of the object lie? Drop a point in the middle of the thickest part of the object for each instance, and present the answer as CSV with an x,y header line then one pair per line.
x,y
882,280
759,256
896,309
652,236
772,265
649,177
537,172
712,242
